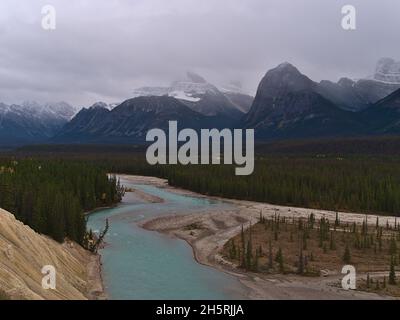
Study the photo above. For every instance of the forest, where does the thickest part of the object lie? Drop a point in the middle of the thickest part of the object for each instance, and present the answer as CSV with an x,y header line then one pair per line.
x,y
51,196
354,184
350,175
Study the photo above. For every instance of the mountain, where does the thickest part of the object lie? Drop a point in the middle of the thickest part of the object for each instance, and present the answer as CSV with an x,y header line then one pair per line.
x,y
199,95
288,105
23,255
130,121
31,122
363,93
234,92
384,116
108,106
344,94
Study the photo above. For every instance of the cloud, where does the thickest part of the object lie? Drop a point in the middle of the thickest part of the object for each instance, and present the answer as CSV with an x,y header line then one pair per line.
x,y
103,49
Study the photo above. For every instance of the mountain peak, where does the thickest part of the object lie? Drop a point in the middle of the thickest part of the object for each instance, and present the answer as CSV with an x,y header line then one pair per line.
x,y
285,77
100,104
285,65
286,68
195,78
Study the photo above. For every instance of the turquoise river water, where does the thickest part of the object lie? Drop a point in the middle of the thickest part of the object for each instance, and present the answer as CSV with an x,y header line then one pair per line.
x,y
141,264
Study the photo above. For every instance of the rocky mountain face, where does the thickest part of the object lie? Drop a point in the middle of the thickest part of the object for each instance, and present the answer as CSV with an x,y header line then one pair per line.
x,y
241,99
344,94
363,93
200,96
384,117
31,122
289,105
130,121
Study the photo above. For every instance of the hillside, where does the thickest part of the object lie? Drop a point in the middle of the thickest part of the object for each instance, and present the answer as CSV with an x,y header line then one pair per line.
x,y
23,253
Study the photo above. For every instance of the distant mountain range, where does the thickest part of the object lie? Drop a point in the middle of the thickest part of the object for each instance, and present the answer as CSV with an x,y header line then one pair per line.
x,y
31,122
288,105
131,120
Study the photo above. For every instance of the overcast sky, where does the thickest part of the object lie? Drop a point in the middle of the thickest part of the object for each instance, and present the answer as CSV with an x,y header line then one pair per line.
x,y
103,49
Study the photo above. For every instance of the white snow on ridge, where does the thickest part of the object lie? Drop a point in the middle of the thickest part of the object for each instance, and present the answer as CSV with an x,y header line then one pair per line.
x,y
191,89
182,95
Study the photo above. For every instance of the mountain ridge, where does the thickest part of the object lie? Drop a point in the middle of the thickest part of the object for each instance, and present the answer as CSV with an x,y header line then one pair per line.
x,y
288,105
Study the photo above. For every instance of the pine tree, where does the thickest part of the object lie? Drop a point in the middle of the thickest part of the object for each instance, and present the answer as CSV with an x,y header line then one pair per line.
x,y
276,235
332,244
255,264
392,274
312,220
337,221
243,251
300,269
270,256
311,256
249,255
304,241
279,260
393,246
347,255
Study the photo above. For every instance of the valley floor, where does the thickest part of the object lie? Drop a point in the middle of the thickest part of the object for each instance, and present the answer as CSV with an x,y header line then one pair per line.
x,y
207,233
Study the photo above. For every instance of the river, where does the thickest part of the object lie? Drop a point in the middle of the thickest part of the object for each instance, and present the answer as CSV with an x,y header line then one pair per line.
x,y
141,264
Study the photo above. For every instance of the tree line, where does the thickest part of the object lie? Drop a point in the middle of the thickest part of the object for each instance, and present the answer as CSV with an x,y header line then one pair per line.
x,y
365,184
51,196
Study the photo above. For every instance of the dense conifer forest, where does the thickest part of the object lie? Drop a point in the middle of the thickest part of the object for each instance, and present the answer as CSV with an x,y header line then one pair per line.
x,y
356,184
362,183
52,192
51,196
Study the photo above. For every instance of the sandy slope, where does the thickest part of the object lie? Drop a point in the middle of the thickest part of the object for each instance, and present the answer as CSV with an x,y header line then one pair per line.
x,y
23,253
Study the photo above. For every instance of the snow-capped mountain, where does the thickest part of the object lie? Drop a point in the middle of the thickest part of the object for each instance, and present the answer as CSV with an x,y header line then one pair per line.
x,y
32,122
288,105
108,106
49,111
356,95
197,94
130,121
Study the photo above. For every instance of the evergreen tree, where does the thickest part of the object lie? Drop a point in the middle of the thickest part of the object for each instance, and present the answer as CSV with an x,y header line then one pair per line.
x,y
300,269
332,244
249,255
392,274
270,256
337,221
279,260
347,255
393,246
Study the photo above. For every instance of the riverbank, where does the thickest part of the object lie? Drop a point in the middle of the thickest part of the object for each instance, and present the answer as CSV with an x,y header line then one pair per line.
x,y
208,232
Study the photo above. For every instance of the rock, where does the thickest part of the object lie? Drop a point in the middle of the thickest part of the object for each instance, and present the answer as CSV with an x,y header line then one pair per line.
x,y
27,252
